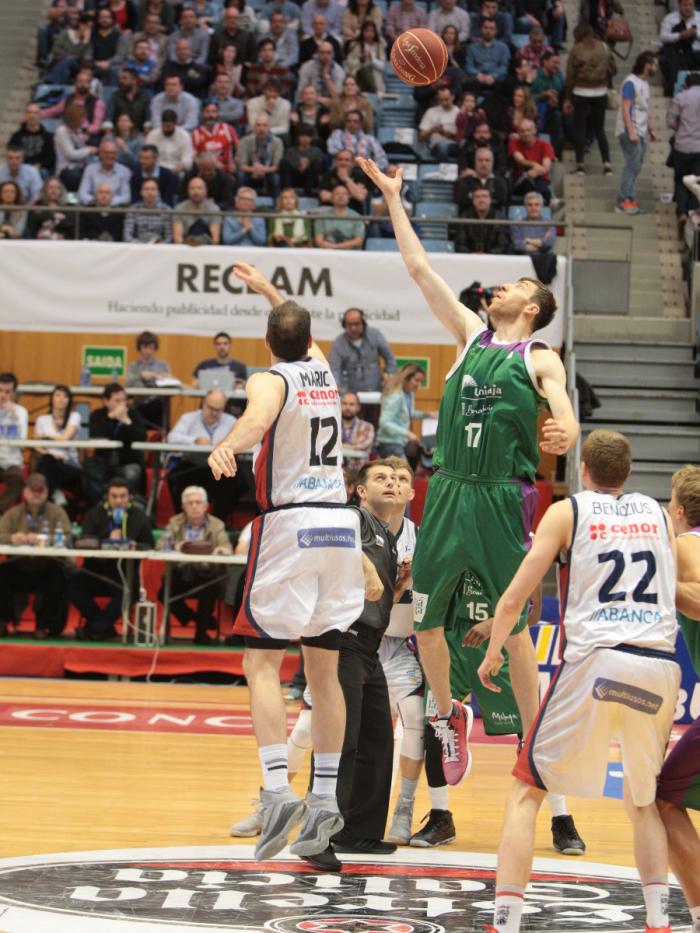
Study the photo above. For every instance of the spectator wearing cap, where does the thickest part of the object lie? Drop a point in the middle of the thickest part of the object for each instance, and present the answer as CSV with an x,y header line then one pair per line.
x,y
149,169
131,99
26,177
35,142
198,39
197,220
532,160
360,357
353,138
245,231
173,97
215,137
194,76
267,67
220,184
259,156
106,171
30,524
302,163
271,103
173,144
151,224
14,420
285,38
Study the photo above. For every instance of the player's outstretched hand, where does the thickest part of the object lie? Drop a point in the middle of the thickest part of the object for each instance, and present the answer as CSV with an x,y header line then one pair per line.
x,y
478,634
388,186
489,668
554,438
250,275
222,462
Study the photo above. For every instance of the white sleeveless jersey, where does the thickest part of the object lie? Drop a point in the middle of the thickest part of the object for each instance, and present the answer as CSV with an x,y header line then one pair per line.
x,y
401,619
300,458
620,582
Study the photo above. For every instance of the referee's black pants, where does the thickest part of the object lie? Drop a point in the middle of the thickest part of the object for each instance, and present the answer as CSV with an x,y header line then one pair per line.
x,y
364,776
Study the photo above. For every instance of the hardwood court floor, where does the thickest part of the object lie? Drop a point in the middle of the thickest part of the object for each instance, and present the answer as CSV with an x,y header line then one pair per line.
x,y
69,786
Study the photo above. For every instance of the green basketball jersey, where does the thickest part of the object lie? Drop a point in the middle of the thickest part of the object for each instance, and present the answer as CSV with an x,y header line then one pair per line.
x,y
488,412
691,636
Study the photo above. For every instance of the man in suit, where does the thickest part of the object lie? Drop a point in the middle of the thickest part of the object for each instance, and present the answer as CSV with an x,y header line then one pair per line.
x,y
148,168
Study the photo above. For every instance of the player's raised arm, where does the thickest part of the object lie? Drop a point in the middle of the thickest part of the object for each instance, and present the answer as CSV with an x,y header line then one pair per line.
x,y
559,432
265,400
458,319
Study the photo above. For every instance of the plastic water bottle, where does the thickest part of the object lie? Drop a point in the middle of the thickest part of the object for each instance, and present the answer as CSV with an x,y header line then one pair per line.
x,y
115,375
85,376
59,538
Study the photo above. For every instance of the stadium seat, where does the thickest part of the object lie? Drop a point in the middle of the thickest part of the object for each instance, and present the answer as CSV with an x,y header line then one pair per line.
x,y
518,212
308,204
399,142
433,210
265,203
520,40
379,244
437,246
434,185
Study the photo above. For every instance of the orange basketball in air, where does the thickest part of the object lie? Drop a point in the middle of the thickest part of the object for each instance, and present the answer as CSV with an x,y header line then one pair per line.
x,y
419,57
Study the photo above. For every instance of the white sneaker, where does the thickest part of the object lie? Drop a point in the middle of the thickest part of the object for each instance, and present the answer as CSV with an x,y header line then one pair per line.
x,y
250,825
400,830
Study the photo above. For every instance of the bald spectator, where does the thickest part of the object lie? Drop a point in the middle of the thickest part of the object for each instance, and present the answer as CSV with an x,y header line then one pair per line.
x,y
331,11
194,77
106,171
35,142
197,37
259,156
95,108
319,33
173,97
532,160
447,13
26,177
220,185
174,144
482,176
285,39
324,73
273,105
231,33
355,355
154,226
196,220
403,15
102,224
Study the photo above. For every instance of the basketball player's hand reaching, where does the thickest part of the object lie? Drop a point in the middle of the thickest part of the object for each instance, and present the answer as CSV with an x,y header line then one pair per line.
x,y
250,276
489,668
554,437
478,634
222,462
389,187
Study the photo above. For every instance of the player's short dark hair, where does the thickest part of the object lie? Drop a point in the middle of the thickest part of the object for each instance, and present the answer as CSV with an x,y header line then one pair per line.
x,y
545,301
289,331
147,338
366,469
222,333
10,378
111,389
608,456
686,485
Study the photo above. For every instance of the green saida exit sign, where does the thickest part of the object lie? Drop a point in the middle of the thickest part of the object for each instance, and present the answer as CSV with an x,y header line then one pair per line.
x,y
104,361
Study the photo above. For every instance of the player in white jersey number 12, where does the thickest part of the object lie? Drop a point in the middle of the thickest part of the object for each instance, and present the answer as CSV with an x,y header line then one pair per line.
x,y
305,567
618,680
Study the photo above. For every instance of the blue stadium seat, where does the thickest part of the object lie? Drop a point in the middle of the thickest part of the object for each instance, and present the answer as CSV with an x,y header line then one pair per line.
x,y
438,246
379,244
307,204
680,81
433,184
51,124
265,203
433,210
520,40
518,212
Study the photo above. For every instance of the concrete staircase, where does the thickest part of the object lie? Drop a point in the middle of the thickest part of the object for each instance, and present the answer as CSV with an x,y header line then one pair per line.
x,y
18,27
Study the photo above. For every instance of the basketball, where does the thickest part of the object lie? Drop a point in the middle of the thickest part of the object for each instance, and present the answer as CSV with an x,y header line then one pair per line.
x,y
419,57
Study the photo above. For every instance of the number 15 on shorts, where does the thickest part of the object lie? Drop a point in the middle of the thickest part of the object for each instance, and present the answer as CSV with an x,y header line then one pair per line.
x,y
473,430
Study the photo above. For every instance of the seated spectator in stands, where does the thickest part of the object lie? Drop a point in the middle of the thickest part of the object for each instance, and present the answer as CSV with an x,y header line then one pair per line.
x,y
220,184
378,207
309,112
131,99
194,523
196,220
504,19
95,109
231,33
301,164
548,91
46,577
128,141
14,420
53,223
35,142
60,465
290,10
267,68
683,118
481,176
205,427
351,98
152,34
680,43
438,127
480,237
275,107
536,240
227,65
146,369
174,98
483,137
157,17
353,138
153,227
26,177
344,172
116,518
196,37
291,229
194,76
215,137
222,360
319,33
356,433
124,13
248,16
103,224
330,10
447,13
284,35
487,59
531,159
70,46
403,15
12,222
148,169
173,143
324,73
337,227
231,109
354,16
115,421
398,410
365,58
549,14
109,46
144,66
72,147
258,158
245,231
532,52
106,171
456,52
469,116
206,11
355,355
522,107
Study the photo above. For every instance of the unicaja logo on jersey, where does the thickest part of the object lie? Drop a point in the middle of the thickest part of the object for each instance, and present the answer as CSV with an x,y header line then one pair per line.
x,y
478,399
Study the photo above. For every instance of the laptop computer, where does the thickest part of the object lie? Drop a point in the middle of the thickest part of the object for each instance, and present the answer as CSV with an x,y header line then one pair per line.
x,y
218,377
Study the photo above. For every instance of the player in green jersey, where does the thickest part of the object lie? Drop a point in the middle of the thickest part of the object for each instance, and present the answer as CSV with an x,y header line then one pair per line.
x,y
679,781
481,500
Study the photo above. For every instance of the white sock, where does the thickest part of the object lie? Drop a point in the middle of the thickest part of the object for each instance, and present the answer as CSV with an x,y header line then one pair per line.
x,y
510,900
274,761
408,788
655,892
557,804
695,914
325,773
439,797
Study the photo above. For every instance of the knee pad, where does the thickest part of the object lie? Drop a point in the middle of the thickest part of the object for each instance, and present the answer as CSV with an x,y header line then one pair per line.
x,y
411,713
299,742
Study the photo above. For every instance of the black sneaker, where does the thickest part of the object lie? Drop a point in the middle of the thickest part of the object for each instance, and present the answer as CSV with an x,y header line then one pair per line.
x,y
438,831
346,842
565,837
326,860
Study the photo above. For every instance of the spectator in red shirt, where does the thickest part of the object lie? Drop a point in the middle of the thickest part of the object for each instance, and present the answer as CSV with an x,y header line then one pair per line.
x,y
215,137
531,159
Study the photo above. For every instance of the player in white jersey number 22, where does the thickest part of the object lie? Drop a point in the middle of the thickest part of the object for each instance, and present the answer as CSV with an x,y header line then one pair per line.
x,y
618,680
305,568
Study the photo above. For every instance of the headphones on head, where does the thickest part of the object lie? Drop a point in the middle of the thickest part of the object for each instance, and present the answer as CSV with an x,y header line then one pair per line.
x,y
361,313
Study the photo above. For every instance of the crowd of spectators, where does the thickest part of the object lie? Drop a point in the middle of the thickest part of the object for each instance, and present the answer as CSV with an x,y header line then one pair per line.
x,y
183,110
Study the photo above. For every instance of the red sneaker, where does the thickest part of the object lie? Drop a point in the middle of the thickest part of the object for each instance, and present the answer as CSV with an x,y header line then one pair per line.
x,y
454,734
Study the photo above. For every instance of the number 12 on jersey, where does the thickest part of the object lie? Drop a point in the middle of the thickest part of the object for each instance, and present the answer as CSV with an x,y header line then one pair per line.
x,y
326,457
473,430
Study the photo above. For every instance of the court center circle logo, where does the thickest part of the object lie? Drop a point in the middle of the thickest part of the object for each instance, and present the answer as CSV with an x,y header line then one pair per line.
x,y
202,889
